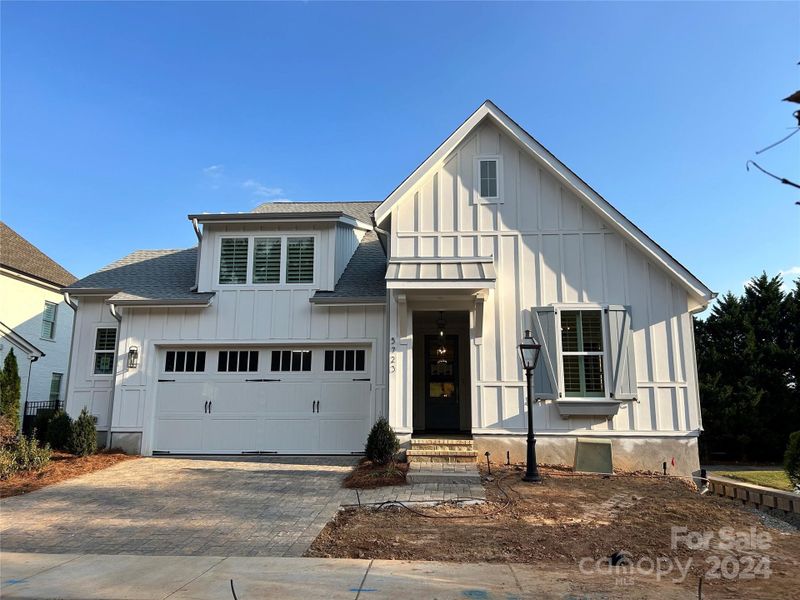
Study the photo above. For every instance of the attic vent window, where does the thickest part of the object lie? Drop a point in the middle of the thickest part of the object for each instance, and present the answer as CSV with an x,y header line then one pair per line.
x,y
488,179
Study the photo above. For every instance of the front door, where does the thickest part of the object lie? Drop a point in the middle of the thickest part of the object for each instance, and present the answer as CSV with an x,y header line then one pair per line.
x,y
441,383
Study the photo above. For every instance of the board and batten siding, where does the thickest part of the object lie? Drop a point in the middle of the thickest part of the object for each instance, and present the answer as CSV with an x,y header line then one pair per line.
x,y
243,315
548,248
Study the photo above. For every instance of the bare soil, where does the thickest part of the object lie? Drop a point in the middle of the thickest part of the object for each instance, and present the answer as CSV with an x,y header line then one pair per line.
x,y
367,475
570,517
61,466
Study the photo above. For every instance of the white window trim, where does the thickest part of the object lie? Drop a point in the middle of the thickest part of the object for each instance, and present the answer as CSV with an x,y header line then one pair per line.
x,y
93,353
251,237
560,353
476,170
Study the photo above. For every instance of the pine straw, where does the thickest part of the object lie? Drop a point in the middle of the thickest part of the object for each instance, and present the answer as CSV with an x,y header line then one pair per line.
x,y
367,475
62,466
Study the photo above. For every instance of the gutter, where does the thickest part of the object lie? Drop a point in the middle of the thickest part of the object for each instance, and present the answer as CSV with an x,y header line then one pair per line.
x,y
113,310
71,303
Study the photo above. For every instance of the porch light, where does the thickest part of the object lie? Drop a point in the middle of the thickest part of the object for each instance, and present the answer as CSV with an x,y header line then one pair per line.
x,y
529,355
529,351
133,357
440,324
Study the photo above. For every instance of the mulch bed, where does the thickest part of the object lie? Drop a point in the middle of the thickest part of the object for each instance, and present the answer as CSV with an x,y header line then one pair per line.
x,y
564,519
61,466
367,475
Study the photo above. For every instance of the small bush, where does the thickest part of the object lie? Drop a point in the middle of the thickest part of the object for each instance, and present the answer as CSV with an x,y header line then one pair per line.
x,y
59,431
83,439
25,455
8,433
791,459
42,423
382,443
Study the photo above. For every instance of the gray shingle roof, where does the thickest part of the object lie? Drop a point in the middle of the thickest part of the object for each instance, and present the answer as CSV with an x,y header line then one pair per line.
x,y
148,276
358,210
18,254
364,276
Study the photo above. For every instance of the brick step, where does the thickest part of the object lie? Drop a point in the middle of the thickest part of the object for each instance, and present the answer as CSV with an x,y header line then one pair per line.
x,y
441,444
442,456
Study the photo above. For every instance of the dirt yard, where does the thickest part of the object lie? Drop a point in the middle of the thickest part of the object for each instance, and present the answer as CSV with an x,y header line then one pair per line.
x,y
61,466
573,517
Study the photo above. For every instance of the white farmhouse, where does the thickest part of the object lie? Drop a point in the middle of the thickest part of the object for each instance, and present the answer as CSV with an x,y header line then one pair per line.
x,y
34,320
291,328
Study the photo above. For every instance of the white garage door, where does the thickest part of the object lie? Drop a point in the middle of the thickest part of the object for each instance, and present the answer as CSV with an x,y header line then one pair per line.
x,y
288,400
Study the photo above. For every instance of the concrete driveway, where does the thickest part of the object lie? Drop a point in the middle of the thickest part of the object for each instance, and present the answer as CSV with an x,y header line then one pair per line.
x,y
210,506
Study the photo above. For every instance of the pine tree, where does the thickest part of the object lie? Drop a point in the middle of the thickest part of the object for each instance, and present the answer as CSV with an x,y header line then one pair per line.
x,y
10,389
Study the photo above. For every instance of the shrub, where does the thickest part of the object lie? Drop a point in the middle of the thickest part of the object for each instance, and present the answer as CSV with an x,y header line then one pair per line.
x,y
8,433
83,438
10,390
25,455
42,423
382,443
59,431
791,459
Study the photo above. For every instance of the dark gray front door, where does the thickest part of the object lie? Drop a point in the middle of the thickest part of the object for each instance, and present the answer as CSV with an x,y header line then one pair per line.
x,y
441,383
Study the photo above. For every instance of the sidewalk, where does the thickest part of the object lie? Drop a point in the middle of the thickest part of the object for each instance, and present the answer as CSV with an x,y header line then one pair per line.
x,y
72,576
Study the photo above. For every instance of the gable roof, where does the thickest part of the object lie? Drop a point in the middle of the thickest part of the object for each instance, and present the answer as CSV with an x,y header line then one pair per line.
x,y
18,254
360,211
488,110
20,342
363,280
147,277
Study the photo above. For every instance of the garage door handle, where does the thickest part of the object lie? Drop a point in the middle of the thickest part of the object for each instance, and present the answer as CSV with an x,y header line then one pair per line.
x,y
262,379
364,379
209,407
166,380
205,407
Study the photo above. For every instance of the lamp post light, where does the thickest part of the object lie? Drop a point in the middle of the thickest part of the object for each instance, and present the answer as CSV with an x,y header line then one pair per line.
x,y
529,355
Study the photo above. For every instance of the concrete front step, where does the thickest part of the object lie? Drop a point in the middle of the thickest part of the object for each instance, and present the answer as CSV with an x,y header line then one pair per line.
x,y
439,473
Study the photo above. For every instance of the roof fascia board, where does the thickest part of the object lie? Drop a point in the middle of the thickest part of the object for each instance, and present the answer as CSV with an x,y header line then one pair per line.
x,y
428,259
90,291
563,173
293,216
20,342
28,278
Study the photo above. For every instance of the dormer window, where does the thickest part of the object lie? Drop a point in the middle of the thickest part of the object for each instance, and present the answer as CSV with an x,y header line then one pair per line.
x,y
489,178
267,260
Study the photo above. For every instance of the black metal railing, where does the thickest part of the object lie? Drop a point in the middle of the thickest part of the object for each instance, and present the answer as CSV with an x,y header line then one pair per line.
x,y
35,408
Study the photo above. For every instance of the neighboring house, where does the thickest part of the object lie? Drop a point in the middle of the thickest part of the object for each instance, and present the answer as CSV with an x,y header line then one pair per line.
x,y
288,329
34,320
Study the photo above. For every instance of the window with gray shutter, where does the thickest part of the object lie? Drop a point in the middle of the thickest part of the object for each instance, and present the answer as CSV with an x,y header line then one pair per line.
x,y
300,260
49,320
582,353
267,260
233,261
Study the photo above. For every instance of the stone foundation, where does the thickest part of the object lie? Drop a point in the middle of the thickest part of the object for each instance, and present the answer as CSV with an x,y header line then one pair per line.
x,y
628,453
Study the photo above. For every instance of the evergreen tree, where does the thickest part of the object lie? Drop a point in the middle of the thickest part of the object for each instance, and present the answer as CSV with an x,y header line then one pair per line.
x,y
747,358
10,390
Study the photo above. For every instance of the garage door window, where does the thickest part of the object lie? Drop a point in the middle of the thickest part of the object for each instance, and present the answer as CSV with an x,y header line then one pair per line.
x,y
185,361
291,360
237,361
344,360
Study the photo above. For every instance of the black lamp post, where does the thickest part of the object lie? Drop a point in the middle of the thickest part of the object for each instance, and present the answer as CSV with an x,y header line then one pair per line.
x,y
529,355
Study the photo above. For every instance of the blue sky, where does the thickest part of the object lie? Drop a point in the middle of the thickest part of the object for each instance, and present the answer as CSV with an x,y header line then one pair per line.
x,y
120,119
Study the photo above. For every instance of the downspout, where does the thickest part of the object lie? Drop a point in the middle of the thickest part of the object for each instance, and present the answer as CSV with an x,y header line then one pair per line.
x,y
31,360
71,303
379,231
113,310
199,235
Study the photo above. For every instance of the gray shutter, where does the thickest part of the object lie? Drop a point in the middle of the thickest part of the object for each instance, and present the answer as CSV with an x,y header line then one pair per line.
x,y
621,353
546,374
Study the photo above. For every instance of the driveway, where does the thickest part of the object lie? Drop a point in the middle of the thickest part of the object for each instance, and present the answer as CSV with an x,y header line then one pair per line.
x,y
210,506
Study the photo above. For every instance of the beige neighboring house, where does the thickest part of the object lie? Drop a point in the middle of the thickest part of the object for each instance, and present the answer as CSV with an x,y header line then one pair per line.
x,y
34,320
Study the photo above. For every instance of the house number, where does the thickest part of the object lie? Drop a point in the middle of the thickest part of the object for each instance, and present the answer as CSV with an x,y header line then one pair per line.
x,y
392,357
